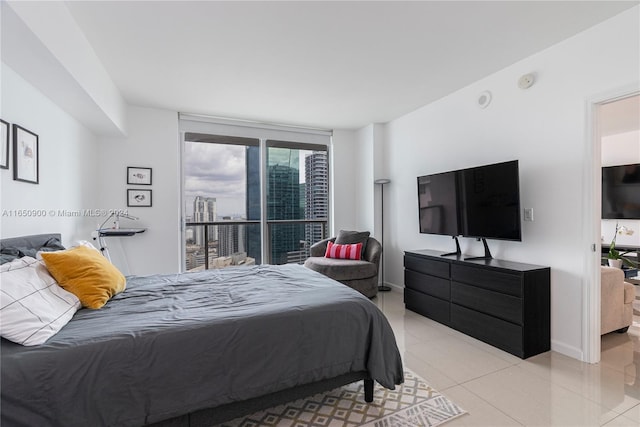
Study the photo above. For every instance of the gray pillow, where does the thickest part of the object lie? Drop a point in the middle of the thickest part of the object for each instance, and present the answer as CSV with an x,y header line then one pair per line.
x,y
9,253
349,237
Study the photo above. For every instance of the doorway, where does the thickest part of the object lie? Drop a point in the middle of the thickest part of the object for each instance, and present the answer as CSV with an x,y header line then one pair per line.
x,y
616,142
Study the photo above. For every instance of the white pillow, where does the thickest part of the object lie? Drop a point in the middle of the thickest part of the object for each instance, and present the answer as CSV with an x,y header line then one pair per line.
x,y
85,243
33,307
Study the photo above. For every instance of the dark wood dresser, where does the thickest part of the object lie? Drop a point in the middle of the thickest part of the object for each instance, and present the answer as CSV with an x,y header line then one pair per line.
x,y
505,304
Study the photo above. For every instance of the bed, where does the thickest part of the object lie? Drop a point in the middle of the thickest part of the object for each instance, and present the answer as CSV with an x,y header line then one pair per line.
x,y
197,349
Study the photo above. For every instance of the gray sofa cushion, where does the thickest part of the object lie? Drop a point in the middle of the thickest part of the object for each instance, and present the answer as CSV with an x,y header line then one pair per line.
x,y
345,237
342,269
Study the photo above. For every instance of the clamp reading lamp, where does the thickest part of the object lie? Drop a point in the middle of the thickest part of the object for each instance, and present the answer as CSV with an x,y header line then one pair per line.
x,y
116,231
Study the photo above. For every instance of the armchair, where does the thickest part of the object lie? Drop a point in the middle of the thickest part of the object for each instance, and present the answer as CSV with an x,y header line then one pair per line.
x,y
360,275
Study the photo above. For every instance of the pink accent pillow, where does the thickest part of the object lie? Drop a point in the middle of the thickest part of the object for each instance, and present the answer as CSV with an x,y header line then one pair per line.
x,y
351,251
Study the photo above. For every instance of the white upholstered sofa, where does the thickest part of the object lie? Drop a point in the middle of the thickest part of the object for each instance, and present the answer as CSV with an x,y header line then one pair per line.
x,y
616,301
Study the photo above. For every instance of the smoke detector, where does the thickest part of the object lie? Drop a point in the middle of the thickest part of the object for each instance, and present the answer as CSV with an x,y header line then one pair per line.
x,y
526,81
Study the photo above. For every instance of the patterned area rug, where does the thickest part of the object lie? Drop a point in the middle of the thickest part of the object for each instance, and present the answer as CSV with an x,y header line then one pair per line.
x,y
412,404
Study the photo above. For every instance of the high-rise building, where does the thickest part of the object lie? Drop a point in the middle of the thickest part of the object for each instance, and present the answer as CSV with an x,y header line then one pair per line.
x,y
316,194
231,238
287,198
204,210
283,202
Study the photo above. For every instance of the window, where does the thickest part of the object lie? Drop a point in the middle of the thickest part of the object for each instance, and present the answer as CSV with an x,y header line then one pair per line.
x,y
251,200
297,193
219,177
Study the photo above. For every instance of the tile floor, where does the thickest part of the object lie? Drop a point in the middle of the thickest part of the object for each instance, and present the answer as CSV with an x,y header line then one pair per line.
x,y
498,389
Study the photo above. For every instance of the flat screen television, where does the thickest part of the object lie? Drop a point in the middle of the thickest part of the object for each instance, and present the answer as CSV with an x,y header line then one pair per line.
x,y
438,204
621,192
490,201
481,202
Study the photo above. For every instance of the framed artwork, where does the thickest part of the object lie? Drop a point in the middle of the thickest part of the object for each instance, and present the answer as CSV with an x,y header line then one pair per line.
x,y
26,155
138,176
4,144
138,198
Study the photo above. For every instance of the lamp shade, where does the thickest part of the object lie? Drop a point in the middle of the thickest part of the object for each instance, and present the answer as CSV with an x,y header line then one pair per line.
x,y
382,181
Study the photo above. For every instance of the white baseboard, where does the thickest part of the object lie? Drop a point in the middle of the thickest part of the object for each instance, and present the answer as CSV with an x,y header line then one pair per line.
x,y
394,286
567,350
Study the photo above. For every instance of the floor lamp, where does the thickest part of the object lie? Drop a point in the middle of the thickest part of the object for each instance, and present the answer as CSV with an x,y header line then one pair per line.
x,y
382,182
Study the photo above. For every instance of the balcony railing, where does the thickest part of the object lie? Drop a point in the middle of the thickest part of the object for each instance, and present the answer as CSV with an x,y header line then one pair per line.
x,y
280,234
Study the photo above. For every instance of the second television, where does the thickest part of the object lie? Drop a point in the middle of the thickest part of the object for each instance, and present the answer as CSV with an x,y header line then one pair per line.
x,y
481,202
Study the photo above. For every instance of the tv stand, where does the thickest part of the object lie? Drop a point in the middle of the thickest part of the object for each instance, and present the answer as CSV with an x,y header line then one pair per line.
x,y
487,252
458,252
503,303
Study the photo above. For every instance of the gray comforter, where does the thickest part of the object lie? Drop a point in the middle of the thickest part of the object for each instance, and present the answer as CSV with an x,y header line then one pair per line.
x,y
173,344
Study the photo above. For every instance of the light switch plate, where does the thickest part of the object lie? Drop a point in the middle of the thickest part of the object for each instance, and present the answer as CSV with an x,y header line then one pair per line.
x,y
528,214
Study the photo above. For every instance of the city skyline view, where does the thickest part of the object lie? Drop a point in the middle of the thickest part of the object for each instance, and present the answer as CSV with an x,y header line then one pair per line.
x,y
218,171
296,181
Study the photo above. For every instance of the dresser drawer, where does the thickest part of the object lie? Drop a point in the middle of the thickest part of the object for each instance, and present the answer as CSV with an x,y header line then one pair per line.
x,y
498,333
435,286
492,280
431,307
427,266
505,307
505,304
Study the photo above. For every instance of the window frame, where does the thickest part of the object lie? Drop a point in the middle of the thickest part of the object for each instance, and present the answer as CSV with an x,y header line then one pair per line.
x,y
216,130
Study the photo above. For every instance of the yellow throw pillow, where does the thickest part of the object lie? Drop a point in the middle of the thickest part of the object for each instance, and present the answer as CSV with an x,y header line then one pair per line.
x,y
85,273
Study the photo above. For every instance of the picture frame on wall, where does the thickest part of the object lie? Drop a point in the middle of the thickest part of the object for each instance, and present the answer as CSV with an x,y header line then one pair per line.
x,y
138,198
26,155
138,176
4,144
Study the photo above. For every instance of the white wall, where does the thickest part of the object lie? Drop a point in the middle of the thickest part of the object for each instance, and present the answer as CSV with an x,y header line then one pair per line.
x,y
343,178
353,171
68,167
621,148
545,128
80,172
364,195
152,142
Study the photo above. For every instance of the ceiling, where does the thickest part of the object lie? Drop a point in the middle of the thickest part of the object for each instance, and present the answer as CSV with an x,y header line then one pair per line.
x,y
320,64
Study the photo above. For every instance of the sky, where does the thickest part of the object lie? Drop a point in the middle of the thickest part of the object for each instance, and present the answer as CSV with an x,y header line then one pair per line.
x,y
218,170
215,170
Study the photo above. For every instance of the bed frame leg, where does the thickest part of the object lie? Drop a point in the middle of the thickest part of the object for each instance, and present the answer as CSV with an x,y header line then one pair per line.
x,y
368,390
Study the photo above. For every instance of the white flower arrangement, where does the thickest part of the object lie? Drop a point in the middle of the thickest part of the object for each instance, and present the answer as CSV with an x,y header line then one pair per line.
x,y
614,254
